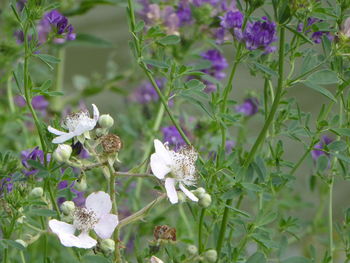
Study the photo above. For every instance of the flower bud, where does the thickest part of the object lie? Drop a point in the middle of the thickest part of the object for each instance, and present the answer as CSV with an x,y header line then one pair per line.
x,y
21,219
21,242
205,201
107,246
154,259
199,192
36,192
111,143
181,196
68,207
105,121
192,249
211,255
62,153
80,185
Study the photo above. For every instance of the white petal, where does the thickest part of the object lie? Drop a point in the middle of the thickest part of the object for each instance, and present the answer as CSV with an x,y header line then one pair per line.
x,y
55,131
170,190
85,241
64,137
99,202
85,126
162,152
65,233
106,225
188,193
96,112
158,166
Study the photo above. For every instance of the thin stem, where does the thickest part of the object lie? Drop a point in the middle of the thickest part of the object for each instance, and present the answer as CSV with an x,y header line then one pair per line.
x,y
223,226
330,218
52,198
22,257
276,100
57,101
144,175
200,231
9,94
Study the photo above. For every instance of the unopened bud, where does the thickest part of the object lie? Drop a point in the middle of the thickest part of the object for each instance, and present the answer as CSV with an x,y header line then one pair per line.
x,y
211,255
192,249
105,121
21,242
111,143
62,153
107,246
21,219
80,185
68,207
37,192
205,201
199,192
154,259
181,196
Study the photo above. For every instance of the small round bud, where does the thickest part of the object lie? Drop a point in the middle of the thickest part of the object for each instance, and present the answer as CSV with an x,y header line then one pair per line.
x,y
100,132
105,121
21,219
181,196
67,218
21,242
211,255
37,192
68,207
81,185
107,246
192,249
111,143
199,192
62,153
205,201
154,259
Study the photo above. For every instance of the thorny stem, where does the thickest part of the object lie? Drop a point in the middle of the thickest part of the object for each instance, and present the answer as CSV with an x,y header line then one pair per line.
x,y
276,100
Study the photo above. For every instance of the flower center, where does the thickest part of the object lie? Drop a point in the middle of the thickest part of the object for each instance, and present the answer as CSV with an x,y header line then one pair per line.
x,y
184,168
73,119
84,219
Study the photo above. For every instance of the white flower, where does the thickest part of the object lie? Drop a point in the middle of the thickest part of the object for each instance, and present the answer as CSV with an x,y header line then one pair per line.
x,y
77,124
346,27
154,259
95,216
179,166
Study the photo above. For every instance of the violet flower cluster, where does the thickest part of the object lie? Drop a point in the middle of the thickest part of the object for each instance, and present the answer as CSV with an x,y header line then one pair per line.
x,y
319,147
145,93
35,155
172,136
316,35
249,107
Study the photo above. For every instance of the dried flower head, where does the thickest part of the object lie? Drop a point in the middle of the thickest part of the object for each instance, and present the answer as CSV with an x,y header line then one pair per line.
x,y
164,232
111,143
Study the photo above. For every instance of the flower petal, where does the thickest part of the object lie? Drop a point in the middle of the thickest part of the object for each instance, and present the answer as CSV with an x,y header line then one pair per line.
x,y
170,190
55,131
65,233
96,112
99,202
64,137
85,241
188,193
162,152
106,225
85,126
158,166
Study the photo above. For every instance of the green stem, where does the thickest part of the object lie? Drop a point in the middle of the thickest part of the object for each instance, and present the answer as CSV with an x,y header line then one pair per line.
x,y
53,201
330,218
22,257
200,231
6,251
276,100
57,101
9,94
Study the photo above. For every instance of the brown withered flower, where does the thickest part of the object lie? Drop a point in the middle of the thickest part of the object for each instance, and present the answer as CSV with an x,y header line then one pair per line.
x,y
164,232
111,143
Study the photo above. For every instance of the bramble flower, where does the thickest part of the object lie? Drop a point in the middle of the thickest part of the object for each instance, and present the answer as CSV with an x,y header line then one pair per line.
x,y
319,147
95,216
249,107
179,166
172,136
77,124
57,23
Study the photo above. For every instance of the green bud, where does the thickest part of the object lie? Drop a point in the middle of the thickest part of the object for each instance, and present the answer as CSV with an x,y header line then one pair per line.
x,y
36,192
21,219
205,201
81,185
181,196
107,246
192,249
199,192
211,255
21,242
62,153
67,207
105,121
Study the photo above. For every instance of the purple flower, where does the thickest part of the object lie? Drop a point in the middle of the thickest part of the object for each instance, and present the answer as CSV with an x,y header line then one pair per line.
x,y
6,185
146,93
232,19
57,23
319,147
19,101
316,35
260,34
229,146
218,63
249,107
79,199
40,103
35,155
173,137
20,4
184,13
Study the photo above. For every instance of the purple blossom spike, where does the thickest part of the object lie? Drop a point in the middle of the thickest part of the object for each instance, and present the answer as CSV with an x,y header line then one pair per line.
x,y
319,147
146,93
173,137
218,63
79,198
184,13
249,107
40,103
5,185
232,19
35,155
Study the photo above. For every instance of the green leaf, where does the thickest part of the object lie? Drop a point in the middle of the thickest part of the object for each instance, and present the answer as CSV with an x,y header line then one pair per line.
x,y
257,257
266,69
169,40
95,259
321,90
156,63
47,58
13,244
322,163
83,39
194,84
337,146
251,187
265,218
297,260
139,26
341,131
42,212
323,77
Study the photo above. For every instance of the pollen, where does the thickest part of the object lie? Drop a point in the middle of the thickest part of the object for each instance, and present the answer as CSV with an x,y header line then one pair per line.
x,y
84,219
